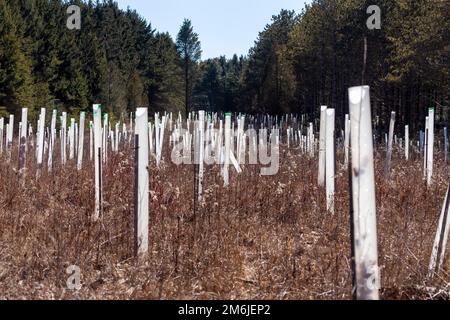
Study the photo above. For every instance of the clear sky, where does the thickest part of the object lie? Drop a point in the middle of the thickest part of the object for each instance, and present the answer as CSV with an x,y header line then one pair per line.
x,y
225,27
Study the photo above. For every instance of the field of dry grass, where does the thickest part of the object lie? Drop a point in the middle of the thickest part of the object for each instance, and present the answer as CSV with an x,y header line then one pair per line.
x,y
260,238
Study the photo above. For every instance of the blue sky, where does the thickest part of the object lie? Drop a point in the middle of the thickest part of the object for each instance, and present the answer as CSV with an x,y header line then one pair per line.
x,y
224,27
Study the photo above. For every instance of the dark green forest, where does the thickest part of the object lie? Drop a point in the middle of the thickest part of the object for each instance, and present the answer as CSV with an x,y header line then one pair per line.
x,y
298,62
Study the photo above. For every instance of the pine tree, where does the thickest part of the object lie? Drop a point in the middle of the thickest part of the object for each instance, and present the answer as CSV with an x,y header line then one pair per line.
x,y
189,49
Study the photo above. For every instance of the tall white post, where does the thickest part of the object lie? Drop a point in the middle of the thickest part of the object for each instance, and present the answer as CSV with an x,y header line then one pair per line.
x,y
23,140
142,192
72,139
52,141
329,159
227,149
201,116
97,110
387,168
81,141
407,143
363,196
105,137
441,238
91,140
425,149
63,137
346,139
2,124
446,145
10,135
430,145
322,144
40,141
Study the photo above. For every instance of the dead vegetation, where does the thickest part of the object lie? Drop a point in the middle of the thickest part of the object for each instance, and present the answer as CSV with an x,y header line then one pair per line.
x,y
261,238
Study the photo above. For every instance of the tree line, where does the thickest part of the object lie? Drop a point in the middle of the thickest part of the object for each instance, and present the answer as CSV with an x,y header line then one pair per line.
x,y
298,62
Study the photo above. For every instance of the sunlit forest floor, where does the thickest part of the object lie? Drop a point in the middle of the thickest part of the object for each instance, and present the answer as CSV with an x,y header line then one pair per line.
x,y
260,238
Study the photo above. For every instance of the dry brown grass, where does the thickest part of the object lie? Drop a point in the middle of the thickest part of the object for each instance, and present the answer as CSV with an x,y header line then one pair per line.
x,y
261,238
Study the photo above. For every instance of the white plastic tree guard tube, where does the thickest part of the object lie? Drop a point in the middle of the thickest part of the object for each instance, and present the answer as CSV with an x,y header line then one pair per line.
x,y
63,137
97,110
52,141
430,150
446,145
72,139
81,141
346,139
2,124
23,140
161,129
363,196
407,142
105,137
41,137
91,140
329,159
141,182
440,241
117,132
322,144
201,119
10,135
227,149
425,149
387,168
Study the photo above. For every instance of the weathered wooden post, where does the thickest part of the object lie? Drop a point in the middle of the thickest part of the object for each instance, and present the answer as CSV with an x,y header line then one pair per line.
x,y
387,168
141,181
329,159
440,241
363,196
23,141
430,150
81,141
97,110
